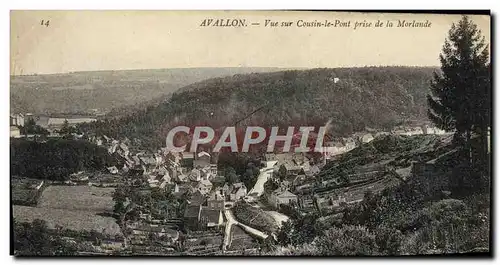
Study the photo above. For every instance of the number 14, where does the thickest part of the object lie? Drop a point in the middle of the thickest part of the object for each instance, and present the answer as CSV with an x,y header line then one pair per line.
x,y
44,23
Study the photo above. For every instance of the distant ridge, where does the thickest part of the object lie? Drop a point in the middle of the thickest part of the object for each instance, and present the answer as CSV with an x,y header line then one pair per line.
x,y
78,92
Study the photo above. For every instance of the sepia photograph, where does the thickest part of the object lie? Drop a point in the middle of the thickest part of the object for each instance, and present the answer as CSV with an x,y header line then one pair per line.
x,y
250,133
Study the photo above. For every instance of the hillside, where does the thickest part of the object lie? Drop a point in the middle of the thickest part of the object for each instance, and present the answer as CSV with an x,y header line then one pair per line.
x,y
376,97
80,92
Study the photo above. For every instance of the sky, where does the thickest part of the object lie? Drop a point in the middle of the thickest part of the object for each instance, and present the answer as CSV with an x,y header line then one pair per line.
x,y
119,40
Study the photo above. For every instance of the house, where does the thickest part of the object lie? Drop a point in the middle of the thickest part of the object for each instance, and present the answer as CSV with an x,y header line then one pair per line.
x,y
159,159
148,160
182,178
213,170
204,186
349,144
113,170
216,200
290,168
313,171
237,191
299,179
112,148
187,160
270,160
122,150
192,216
17,119
15,132
162,171
334,148
106,138
195,175
153,182
173,158
366,138
98,141
164,183
282,196
197,198
210,219
202,160
172,187
180,189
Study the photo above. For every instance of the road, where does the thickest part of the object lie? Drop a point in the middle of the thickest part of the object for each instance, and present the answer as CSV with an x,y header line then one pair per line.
x,y
227,233
232,221
264,175
258,190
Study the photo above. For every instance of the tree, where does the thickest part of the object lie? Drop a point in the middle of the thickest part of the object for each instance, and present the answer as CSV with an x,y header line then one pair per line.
x,y
36,239
65,128
30,127
231,176
348,241
460,94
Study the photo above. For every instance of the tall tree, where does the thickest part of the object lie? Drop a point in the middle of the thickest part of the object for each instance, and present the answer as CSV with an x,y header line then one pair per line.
x,y
460,93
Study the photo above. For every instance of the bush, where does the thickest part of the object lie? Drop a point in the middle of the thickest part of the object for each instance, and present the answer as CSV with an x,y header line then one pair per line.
x,y
388,240
347,241
450,227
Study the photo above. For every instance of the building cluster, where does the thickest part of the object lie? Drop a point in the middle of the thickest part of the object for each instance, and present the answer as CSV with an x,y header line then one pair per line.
x,y
51,123
16,122
186,174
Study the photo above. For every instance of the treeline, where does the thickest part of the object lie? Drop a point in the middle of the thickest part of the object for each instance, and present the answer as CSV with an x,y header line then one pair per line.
x,y
56,159
307,97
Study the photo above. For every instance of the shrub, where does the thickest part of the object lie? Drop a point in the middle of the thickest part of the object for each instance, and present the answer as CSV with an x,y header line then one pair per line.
x,y
348,240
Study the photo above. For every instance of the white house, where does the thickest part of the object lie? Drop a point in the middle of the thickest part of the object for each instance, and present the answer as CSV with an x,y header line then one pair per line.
x,y
17,119
237,191
367,138
281,196
204,186
15,132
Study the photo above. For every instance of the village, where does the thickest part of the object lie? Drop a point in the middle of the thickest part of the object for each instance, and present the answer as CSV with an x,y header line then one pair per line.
x,y
195,210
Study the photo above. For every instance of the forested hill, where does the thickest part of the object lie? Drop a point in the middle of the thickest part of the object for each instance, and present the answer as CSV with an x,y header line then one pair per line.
x,y
353,98
81,92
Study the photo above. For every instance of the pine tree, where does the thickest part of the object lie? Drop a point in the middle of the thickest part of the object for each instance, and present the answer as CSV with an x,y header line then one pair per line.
x,y
460,98
460,93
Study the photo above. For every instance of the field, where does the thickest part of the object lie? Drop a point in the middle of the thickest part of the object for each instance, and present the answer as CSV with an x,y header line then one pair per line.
x,y
68,219
72,207
82,198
